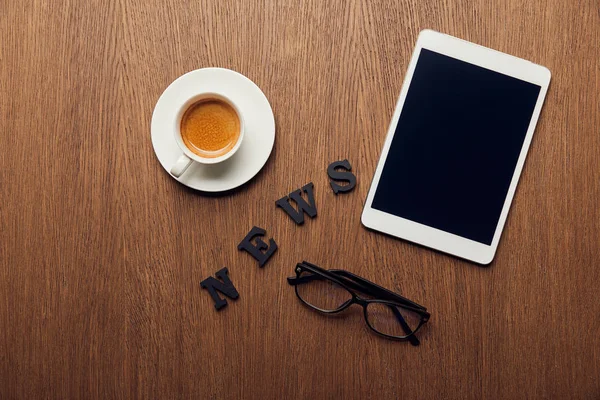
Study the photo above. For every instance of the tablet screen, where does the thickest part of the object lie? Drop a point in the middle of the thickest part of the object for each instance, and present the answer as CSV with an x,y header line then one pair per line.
x,y
456,146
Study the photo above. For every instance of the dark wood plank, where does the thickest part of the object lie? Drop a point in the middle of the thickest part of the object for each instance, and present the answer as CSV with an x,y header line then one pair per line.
x,y
101,253
61,235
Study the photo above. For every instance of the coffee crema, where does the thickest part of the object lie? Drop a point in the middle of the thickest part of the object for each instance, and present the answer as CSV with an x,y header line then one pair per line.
x,y
210,128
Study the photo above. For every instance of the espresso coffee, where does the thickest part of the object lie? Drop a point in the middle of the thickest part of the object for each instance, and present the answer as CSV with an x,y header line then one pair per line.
x,y
210,128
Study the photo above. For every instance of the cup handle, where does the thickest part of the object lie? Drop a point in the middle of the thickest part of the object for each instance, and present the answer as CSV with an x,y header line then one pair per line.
x,y
181,165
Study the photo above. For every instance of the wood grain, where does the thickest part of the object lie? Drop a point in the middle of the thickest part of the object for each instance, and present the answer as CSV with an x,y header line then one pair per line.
x,y
101,252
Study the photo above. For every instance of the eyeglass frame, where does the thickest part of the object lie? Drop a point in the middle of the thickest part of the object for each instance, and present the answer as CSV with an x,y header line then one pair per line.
x,y
351,283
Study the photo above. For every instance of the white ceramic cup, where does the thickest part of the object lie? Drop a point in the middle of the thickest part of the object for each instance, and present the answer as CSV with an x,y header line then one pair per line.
x,y
188,157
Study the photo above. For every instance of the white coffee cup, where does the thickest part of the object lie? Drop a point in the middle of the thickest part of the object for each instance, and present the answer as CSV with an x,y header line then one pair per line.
x,y
188,157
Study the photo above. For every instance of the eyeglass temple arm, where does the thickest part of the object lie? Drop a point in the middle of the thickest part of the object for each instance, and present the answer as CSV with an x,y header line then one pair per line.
x,y
373,289
298,280
411,338
357,283
295,280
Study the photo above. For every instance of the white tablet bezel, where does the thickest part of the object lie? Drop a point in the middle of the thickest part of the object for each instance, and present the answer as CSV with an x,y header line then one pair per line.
x,y
426,235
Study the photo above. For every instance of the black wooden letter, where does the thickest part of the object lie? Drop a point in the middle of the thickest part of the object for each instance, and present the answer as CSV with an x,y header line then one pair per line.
x,y
341,176
226,287
303,207
256,251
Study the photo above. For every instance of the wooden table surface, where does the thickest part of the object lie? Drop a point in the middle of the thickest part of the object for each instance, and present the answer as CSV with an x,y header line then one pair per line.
x,y
102,253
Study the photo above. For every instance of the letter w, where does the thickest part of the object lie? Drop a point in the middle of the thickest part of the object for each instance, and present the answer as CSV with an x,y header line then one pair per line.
x,y
303,206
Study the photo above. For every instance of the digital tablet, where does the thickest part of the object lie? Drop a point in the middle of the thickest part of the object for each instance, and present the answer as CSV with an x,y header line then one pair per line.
x,y
456,146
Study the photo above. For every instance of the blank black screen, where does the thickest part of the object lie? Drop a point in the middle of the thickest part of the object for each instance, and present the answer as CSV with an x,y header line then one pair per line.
x,y
456,146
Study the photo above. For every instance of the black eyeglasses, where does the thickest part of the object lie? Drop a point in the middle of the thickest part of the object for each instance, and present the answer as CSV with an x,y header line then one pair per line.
x,y
334,290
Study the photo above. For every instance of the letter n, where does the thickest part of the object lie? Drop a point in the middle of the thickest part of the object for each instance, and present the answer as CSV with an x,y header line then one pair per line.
x,y
226,287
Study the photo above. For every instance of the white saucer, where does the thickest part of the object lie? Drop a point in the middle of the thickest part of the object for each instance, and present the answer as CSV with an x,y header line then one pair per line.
x,y
258,140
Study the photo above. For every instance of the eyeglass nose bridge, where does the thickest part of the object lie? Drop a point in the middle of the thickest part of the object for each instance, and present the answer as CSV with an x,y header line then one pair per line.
x,y
360,301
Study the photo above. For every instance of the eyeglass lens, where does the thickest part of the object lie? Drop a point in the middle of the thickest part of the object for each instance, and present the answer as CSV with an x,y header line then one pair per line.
x,y
392,320
322,293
